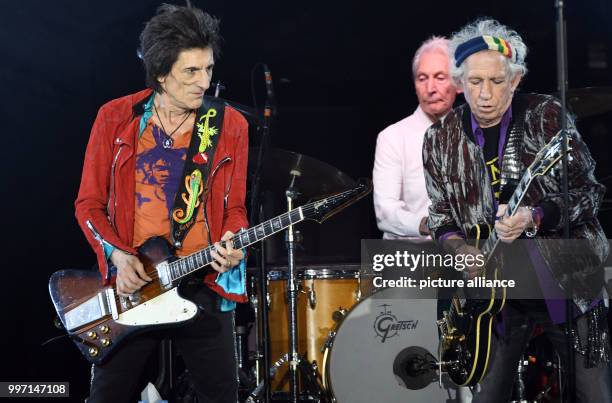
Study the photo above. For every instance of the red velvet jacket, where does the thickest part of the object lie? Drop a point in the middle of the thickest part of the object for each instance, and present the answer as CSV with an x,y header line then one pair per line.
x,y
106,200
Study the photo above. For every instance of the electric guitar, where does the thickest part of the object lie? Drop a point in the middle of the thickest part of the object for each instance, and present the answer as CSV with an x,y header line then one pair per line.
x,y
466,328
98,320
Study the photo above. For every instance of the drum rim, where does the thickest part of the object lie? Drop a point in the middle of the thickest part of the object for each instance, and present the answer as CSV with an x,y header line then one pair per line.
x,y
315,274
327,353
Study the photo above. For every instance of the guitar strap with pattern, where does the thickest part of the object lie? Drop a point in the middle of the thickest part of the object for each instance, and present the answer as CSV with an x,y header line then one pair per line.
x,y
512,167
199,158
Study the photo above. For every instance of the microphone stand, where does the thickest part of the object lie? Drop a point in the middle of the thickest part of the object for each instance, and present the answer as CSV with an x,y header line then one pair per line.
x,y
562,82
256,217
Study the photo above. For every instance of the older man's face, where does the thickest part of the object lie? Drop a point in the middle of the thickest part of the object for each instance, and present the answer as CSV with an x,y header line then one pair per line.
x,y
189,78
434,87
488,86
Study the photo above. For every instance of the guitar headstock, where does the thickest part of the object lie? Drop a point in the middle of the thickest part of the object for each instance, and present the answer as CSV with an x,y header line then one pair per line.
x,y
321,210
548,156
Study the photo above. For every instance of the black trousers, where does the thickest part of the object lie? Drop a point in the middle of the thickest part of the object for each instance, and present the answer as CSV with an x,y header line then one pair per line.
x,y
207,346
592,384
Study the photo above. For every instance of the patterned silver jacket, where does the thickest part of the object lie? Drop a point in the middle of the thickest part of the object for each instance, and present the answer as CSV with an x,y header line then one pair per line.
x,y
459,188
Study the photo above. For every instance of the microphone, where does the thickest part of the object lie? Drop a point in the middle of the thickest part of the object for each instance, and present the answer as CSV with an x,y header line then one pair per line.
x,y
270,98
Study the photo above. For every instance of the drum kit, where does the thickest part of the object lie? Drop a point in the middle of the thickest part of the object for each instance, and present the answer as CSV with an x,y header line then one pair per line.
x,y
331,336
352,344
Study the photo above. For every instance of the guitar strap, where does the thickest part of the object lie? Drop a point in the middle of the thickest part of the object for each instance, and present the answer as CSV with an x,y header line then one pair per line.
x,y
512,167
199,158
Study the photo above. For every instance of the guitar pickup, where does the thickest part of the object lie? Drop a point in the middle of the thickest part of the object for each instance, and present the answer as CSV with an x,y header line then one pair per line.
x,y
163,273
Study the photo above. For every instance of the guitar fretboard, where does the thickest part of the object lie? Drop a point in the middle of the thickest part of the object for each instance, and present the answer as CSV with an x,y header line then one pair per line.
x,y
198,260
188,264
513,204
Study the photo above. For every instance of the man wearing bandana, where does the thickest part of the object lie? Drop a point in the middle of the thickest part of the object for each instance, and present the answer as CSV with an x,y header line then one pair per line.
x,y
474,157
168,162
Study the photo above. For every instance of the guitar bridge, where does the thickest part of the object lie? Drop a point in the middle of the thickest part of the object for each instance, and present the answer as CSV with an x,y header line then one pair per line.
x,y
95,308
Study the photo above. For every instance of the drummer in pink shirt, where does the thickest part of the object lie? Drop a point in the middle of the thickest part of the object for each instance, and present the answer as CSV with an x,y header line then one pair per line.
x,y
400,197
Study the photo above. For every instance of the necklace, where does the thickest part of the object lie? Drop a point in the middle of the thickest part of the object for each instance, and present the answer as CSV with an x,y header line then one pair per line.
x,y
168,141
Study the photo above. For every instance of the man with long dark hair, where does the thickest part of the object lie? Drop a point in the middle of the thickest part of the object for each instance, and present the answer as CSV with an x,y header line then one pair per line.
x,y
168,162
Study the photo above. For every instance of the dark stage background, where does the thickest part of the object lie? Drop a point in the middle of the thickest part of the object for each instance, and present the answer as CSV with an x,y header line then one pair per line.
x,y
341,71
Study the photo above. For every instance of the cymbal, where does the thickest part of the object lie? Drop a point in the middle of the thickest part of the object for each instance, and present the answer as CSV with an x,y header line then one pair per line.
x,y
590,101
313,178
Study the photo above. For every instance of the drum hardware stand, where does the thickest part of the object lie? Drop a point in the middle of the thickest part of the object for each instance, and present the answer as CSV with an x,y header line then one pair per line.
x,y
257,355
292,291
254,396
519,382
309,378
296,363
559,376
264,356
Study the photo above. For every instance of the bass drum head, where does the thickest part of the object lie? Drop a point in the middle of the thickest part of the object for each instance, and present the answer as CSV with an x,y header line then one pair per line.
x,y
385,331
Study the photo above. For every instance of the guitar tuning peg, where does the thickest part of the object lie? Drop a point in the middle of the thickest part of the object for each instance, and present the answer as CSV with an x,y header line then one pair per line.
x,y
93,351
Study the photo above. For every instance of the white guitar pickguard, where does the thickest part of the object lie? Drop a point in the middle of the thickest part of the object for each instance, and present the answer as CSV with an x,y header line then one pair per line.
x,y
168,307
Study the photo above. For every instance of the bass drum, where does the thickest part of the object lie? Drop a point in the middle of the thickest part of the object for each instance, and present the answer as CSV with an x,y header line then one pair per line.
x,y
380,351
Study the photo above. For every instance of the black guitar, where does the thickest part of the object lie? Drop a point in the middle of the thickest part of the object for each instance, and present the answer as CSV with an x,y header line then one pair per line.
x,y
466,328
98,319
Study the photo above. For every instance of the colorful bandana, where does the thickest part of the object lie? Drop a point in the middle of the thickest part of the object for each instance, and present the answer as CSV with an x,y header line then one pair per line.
x,y
485,42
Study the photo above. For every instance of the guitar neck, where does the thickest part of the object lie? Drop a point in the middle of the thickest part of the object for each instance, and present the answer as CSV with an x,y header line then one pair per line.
x,y
514,203
317,210
198,260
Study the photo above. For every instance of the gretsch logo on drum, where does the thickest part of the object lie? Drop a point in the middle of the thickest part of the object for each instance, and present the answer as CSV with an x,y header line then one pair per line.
x,y
386,324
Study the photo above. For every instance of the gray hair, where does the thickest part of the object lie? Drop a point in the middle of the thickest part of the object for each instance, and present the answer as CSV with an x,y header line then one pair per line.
x,y
433,44
493,28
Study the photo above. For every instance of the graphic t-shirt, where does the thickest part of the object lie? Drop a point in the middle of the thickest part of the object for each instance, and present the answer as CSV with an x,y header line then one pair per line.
x,y
158,175
491,136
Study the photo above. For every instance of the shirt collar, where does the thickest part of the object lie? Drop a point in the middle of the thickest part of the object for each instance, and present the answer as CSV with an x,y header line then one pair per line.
x,y
419,111
505,121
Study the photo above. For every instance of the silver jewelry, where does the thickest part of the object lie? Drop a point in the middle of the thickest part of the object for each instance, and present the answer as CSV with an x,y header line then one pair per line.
x,y
168,141
533,230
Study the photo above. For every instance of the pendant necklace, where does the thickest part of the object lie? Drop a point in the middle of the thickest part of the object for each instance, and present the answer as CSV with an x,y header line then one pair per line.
x,y
168,142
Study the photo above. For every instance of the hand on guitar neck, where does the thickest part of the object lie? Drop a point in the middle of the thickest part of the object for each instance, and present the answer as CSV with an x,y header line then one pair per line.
x,y
228,257
131,274
510,228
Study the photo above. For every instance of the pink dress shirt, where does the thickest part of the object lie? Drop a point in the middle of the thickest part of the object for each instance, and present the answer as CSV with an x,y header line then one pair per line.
x,y
400,196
